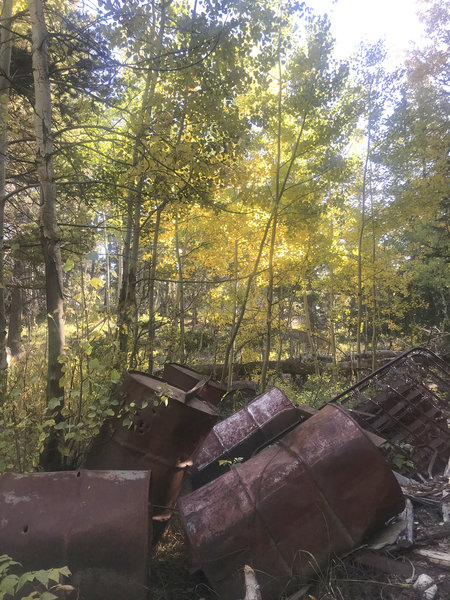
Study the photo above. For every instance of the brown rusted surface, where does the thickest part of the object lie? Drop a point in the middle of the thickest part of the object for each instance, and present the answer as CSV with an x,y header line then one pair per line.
x,y
165,430
186,379
407,401
96,523
315,493
244,433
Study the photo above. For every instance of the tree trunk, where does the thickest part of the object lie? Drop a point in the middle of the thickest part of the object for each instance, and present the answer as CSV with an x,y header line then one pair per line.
x,y
362,226
5,61
50,457
280,188
309,333
237,324
151,292
180,291
16,310
374,289
127,298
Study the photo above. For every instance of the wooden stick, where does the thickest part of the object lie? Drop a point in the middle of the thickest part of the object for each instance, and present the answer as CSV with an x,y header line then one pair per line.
x,y
252,591
439,558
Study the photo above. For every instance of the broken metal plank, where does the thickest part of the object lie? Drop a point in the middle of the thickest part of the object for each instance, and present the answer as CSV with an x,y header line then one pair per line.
x,y
185,378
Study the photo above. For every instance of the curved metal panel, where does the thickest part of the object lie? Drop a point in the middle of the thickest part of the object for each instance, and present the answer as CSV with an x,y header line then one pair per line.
x,y
166,431
244,433
97,523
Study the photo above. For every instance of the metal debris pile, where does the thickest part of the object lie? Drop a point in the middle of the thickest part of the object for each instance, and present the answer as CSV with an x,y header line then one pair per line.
x,y
276,488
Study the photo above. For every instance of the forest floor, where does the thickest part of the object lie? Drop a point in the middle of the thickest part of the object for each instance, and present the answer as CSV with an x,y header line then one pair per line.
x,y
170,578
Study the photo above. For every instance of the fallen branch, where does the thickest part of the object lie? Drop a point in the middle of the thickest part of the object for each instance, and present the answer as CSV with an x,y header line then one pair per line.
x,y
438,558
252,591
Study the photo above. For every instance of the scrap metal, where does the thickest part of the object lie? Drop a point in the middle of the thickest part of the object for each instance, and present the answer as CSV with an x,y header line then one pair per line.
x,y
96,523
241,435
188,379
315,493
406,401
166,428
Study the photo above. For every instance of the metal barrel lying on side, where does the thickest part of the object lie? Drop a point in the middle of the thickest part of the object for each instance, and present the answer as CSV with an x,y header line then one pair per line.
x,y
314,494
159,427
95,522
244,433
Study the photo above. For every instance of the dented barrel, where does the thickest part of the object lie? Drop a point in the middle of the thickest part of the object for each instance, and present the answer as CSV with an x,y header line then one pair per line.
x,y
242,434
158,427
96,523
315,493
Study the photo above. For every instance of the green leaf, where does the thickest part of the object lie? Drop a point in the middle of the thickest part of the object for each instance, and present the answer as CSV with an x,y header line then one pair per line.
x,y
69,265
25,578
48,596
54,402
65,571
92,255
115,375
8,584
41,576
61,425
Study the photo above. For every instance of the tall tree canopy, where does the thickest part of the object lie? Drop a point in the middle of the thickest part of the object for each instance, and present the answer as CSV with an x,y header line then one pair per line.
x,y
205,181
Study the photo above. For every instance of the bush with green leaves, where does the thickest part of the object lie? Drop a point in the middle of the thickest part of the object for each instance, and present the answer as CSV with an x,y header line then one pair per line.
x,y
36,585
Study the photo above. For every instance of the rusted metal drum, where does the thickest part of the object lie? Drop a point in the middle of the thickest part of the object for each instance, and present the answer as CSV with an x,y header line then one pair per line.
x,y
96,523
314,494
244,433
186,379
165,429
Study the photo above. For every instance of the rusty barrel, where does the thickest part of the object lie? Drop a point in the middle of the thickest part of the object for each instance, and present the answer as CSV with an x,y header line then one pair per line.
x,y
315,493
241,435
158,427
187,379
96,523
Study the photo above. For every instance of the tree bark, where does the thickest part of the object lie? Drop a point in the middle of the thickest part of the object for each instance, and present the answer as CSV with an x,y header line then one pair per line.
x,y
5,61
237,324
151,293
16,310
50,457
127,298
362,226
180,291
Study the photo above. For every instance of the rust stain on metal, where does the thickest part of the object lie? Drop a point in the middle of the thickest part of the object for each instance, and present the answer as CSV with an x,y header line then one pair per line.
x,y
407,401
315,493
188,379
166,430
240,436
96,523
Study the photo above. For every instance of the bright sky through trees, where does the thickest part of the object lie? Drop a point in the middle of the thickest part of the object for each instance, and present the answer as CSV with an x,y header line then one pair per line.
x,y
396,21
